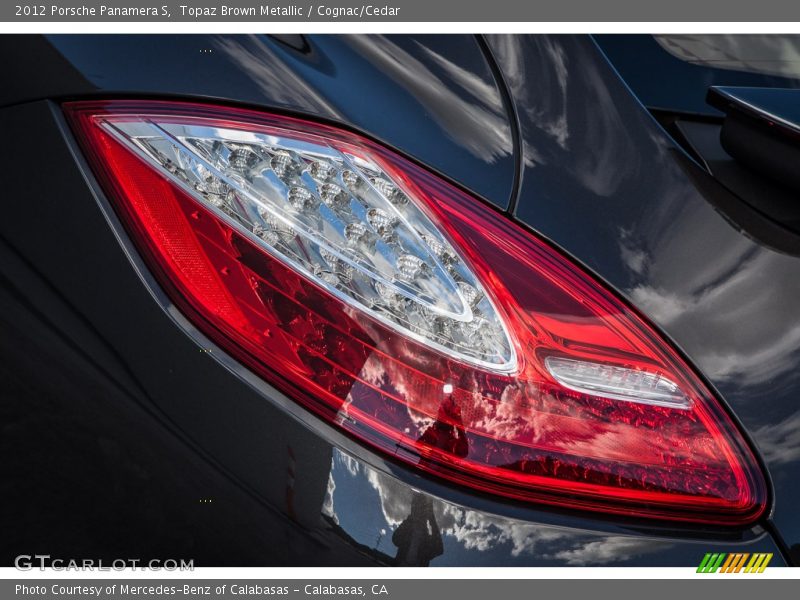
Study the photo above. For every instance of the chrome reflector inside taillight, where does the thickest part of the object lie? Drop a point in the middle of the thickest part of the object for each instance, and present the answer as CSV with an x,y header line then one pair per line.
x,y
414,317
331,212
615,382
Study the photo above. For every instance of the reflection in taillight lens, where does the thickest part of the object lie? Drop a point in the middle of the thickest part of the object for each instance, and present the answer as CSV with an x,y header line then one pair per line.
x,y
413,316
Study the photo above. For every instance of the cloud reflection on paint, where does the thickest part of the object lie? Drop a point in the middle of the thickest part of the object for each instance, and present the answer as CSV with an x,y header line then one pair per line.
x,y
480,532
729,309
468,108
278,82
567,123
780,443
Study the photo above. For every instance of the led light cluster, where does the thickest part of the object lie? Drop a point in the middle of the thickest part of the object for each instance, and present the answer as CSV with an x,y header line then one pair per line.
x,y
386,300
335,215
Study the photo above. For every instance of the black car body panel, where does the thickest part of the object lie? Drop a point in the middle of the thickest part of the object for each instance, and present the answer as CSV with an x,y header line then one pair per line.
x,y
454,116
133,435
603,181
673,72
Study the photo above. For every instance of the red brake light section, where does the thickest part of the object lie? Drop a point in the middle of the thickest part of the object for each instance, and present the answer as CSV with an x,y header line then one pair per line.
x,y
537,434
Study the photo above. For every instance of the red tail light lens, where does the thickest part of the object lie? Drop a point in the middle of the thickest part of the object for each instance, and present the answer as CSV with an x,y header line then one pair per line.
x,y
414,317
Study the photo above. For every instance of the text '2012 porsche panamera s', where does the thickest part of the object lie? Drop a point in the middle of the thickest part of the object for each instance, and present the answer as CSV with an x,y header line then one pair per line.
x,y
447,300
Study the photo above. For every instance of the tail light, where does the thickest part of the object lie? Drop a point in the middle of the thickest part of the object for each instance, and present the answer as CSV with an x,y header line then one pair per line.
x,y
413,316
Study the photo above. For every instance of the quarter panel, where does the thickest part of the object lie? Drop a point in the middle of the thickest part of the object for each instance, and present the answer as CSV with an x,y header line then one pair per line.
x,y
604,182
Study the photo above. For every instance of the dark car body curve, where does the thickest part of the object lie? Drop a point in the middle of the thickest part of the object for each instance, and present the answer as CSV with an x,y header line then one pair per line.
x,y
131,434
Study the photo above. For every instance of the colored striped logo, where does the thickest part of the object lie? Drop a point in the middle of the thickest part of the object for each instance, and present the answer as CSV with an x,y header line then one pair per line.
x,y
734,563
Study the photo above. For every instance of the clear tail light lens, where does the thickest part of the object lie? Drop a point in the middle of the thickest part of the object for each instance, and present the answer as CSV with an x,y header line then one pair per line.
x,y
413,316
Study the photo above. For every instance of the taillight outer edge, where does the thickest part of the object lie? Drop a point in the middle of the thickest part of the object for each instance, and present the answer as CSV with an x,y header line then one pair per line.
x,y
76,113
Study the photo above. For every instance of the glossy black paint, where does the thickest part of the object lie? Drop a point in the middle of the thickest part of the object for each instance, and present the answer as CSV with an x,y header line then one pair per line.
x,y
762,130
123,420
776,106
763,207
662,80
603,181
433,97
